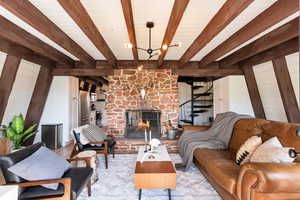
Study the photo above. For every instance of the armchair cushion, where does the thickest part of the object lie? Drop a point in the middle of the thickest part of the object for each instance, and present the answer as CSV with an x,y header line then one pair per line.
x,y
43,164
79,177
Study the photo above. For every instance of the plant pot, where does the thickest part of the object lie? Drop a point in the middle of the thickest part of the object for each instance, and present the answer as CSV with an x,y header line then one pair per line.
x,y
172,134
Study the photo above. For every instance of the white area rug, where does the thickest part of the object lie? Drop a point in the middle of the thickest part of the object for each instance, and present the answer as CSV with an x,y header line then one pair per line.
x,y
116,183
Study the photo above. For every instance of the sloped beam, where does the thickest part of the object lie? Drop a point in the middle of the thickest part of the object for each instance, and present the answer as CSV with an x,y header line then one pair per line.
x,y
229,11
82,72
38,99
26,11
286,89
128,15
7,80
178,9
79,14
208,72
289,47
23,52
253,92
13,33
274,14
280,35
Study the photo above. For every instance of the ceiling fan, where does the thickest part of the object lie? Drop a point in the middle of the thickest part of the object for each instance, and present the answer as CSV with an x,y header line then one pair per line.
x,y
152,52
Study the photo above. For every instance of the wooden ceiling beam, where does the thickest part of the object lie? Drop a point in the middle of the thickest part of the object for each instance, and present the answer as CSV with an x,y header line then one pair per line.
x,y
128,15
178,9
79,14
14,49
26,11
286,48
208,72
272,15
229,11
82,72
13,33
278,36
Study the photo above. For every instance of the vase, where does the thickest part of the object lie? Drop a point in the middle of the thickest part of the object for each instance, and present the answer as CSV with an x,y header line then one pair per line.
x,y
172,134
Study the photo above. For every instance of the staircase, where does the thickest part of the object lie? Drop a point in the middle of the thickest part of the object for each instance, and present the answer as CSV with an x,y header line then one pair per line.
x,y
198,109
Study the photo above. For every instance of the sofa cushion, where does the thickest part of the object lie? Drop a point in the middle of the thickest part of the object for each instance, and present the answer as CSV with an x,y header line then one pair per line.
x,y
79,177
220,165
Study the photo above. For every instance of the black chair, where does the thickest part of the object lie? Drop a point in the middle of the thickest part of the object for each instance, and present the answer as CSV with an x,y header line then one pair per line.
x,y
102,147
70,185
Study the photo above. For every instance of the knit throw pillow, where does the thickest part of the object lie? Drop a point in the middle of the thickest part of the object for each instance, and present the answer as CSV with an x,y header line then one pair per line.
x,y
245,151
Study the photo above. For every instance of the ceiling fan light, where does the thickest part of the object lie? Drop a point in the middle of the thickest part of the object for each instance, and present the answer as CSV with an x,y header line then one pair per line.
x,y
164,47
178,44
128,45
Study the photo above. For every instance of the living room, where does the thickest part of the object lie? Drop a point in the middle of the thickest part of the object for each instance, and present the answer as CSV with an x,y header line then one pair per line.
x,y
136,99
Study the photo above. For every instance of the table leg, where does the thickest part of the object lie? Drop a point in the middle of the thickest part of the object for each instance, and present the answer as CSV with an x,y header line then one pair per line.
x,y
140,194
169,192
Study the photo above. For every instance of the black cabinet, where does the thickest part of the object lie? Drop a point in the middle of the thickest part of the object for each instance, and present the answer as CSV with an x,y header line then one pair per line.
x,y
52,135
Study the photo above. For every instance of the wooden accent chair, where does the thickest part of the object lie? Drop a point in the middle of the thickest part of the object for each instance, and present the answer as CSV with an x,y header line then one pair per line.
x,y
70,185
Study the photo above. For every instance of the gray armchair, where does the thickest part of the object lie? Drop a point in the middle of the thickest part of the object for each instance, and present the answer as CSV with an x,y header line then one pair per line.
x,y
70,185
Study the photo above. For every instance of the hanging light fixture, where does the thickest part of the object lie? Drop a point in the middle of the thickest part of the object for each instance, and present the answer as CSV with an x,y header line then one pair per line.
x,y
150,51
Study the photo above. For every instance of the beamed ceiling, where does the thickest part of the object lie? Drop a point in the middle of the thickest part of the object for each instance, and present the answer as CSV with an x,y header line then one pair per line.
x,y
96,30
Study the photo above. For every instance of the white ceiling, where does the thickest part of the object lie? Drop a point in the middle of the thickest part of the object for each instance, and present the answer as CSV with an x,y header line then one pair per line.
x,y
109,19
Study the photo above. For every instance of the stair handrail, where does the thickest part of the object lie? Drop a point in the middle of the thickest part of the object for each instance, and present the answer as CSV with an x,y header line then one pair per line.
x,y
194,98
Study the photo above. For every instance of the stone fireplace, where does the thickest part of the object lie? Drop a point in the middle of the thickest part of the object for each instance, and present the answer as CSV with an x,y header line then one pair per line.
x,y
133,117
124,94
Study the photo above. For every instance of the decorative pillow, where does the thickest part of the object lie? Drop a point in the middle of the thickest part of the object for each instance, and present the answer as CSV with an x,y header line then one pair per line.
x,y
272,151
94,133
246,150
43,164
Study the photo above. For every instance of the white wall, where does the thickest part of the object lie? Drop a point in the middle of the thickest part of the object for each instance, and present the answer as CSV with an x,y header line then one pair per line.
x,y
231,94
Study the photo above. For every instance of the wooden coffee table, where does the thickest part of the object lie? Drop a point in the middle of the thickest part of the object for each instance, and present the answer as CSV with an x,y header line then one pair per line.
x,y
155,174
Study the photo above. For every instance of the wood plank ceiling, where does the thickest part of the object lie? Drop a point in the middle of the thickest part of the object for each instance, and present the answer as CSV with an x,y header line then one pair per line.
x,y
85,34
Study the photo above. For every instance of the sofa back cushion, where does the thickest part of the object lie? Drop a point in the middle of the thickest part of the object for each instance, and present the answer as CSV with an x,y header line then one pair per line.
x,y
244,129
285,132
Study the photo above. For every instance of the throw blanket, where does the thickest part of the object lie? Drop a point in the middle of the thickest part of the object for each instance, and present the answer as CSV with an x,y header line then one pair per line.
x,y
217,137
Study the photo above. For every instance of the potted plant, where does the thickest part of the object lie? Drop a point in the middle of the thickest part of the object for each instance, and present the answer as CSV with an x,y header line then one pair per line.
x,y
16,131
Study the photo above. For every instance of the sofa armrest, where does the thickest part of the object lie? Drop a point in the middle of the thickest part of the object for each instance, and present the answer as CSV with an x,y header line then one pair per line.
x,y
268,178
195,128
65,181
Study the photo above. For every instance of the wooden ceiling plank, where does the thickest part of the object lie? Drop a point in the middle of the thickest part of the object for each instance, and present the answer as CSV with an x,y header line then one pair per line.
x,y
272,15
178,9
208,72
276,37
13,33
7,80
286,48
82,72
79,14
26,11
229,11
253,91
128,15
38,99
286,89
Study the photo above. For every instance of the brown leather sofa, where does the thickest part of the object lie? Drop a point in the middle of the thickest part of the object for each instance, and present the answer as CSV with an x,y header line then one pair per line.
x,y
251,181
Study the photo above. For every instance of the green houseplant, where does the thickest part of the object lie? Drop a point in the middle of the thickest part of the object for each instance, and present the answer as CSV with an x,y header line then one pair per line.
x,y
16,131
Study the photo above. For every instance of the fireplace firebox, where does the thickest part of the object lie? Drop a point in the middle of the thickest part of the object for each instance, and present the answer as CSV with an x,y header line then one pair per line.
x,y
133,117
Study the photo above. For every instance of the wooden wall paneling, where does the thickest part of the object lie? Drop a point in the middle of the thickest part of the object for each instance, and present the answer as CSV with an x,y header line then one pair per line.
x,y
38,98
7,80
26,11
272,15
128,15
178,9
286,89
276,37
253,91
229,11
